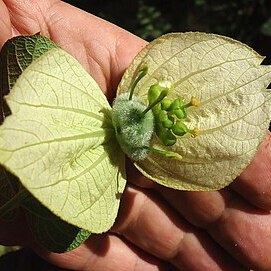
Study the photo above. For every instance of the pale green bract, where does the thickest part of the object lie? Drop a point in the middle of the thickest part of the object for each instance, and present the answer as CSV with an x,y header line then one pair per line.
x,y
234,115
58,142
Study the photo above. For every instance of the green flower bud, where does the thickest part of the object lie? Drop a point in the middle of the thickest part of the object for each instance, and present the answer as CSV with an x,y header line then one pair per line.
x,y
176,104
162,116
165,135
154,92
180,113
165,104
168,123
179,128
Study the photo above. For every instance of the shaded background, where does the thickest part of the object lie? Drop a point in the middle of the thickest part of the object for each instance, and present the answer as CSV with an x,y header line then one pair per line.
x,y
246,20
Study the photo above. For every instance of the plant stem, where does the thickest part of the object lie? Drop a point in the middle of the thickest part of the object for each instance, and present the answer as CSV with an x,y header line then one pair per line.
x,y
142,73
162,95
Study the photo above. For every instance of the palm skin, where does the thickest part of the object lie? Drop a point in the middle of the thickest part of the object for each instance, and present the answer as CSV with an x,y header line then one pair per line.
x,y
157,228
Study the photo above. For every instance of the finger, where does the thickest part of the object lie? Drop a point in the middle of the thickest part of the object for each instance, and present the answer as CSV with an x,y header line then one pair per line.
x,y
100,46
242,229
5,25
105,252
254,184
27,17
147,222
135,177
246,234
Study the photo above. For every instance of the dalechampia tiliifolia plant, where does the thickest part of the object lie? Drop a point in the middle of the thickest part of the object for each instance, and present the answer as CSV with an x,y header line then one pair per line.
x,y
190,112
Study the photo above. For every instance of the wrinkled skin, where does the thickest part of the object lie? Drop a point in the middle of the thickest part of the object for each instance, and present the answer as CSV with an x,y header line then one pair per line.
x,y
157,228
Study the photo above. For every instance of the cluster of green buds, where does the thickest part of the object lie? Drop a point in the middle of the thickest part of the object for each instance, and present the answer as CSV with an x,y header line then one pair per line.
x,y
135,123
169,114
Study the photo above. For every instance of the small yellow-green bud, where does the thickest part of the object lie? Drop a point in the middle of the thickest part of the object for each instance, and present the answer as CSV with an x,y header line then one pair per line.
x,y
162,115
195,132
180,113
166,136
194,102
168,123
175,105
165,104
179,128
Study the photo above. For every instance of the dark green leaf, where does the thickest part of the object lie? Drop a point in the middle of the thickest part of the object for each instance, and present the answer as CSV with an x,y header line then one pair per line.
x,y
52,232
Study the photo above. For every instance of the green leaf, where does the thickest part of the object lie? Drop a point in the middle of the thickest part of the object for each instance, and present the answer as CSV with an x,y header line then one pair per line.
x,y
4,250
226,76
16,55
9,188
59,142
50,231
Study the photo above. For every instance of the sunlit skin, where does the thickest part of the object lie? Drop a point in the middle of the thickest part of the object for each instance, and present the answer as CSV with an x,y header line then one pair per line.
x,y
157,228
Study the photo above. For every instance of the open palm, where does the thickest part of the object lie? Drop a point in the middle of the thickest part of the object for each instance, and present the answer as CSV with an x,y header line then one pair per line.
x,y
157,228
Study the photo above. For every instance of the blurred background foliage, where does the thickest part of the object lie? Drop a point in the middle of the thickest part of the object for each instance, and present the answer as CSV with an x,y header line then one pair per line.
x,y
246,20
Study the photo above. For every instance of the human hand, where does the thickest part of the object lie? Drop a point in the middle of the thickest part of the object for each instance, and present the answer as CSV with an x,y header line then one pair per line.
x,y
157,228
